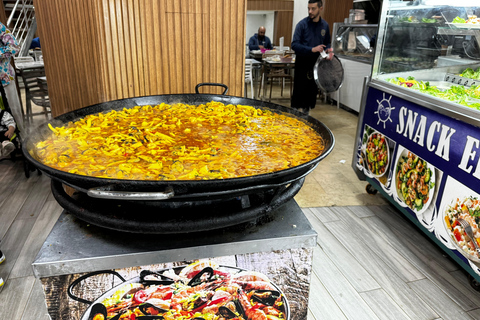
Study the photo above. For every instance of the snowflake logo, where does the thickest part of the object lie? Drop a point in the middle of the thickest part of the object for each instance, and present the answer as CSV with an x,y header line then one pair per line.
x,y
384,110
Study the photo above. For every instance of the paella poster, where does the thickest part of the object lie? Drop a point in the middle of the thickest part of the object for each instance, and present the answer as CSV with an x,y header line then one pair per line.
x,y
428,165
256,285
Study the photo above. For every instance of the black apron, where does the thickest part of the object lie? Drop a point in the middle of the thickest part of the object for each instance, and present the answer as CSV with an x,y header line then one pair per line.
x,y
305,89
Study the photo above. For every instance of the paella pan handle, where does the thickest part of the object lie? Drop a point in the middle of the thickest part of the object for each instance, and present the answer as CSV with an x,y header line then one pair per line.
x,y
77,281
108,192
211,84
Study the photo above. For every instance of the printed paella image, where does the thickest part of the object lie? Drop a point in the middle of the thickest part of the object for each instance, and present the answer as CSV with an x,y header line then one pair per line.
x,y
202,290
415,181
468,209
180,142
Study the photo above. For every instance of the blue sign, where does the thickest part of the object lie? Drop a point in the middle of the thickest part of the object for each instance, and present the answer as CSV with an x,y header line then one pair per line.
x,y
428,164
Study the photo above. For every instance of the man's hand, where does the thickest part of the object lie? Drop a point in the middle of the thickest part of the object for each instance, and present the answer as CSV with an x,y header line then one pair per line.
x,y
318,48
330,54
261,47
10,132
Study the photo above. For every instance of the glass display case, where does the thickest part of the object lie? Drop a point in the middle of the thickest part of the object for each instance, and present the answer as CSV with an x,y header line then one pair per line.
x,y
353,45
418,133
433,43
354,41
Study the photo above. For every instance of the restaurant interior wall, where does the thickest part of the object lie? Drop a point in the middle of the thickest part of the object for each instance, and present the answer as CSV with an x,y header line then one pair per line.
x,y
333,11
256,19
283,17
103,50
336,11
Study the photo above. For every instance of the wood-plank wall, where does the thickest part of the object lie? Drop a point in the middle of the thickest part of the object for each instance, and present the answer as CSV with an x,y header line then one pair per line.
x,y
283,17
102,50
336,11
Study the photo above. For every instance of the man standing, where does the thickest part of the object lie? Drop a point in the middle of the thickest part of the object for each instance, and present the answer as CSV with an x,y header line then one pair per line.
x,y
311,37
259,41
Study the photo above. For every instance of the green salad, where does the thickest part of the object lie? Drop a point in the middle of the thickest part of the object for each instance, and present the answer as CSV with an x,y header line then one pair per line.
x,y
457,94
413,179
411,19
471,74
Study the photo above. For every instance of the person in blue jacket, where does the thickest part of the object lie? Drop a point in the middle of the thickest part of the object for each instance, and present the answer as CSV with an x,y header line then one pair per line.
x,y
35,43
260,41
311,37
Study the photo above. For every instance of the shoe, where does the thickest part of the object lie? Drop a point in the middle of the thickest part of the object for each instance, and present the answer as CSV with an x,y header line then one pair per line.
x,y
2,257
1,282
8,147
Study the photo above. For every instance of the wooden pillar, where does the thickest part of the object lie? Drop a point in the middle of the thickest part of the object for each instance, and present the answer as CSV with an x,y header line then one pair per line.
x,y
102,50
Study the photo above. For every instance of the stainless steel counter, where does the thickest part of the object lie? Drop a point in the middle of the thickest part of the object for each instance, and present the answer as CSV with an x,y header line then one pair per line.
x,y
74,246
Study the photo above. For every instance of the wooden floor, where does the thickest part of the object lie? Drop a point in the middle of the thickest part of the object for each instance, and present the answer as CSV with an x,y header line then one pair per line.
x,y
370,262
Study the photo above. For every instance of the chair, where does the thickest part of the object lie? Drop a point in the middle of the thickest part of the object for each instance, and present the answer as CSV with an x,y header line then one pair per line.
x,y
248,77
272,73
281,75
35,91
23,59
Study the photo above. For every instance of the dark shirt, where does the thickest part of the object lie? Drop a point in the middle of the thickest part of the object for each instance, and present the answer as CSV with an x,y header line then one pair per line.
x,y
253,43
35,43
309,34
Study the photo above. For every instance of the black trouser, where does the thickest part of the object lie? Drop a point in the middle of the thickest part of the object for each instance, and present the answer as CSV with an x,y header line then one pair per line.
x,y
305,89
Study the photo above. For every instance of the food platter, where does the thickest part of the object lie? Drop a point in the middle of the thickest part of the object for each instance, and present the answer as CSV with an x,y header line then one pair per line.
x,y
377,154
414,182
455,232
202,290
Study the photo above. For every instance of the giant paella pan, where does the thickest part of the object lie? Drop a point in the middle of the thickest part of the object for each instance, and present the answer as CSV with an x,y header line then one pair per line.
x,y
279,185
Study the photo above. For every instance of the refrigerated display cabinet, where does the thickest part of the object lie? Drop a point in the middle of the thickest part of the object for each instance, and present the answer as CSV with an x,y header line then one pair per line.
x,y
418,135
352,44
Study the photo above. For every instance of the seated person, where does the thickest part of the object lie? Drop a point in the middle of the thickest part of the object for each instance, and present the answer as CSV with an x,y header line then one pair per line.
x,y
7,130
259,41
35,43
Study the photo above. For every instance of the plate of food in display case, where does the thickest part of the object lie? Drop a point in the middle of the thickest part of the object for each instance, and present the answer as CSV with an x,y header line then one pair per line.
x,y
414,182
202,290
376,154
468,209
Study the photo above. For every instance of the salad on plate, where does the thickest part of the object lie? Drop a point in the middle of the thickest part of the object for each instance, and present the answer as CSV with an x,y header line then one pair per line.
x,y
414,181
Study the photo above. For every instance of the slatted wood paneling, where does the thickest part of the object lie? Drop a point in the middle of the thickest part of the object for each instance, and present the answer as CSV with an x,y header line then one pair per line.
x,y
283,17
277,5
283,27
102,50
336,11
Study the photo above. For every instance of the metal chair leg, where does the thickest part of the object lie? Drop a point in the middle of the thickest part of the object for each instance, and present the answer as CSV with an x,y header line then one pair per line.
x,y
291,87
260,86
271,88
